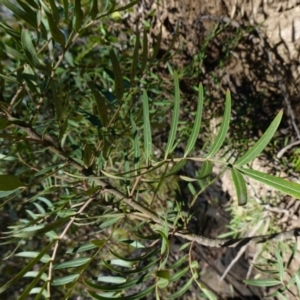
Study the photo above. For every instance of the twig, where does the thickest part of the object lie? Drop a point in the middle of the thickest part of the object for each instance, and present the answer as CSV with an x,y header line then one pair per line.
x,y
286,148
152,216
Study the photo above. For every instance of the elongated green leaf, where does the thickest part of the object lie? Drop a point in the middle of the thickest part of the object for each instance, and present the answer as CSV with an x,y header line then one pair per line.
x,y
32,254
73,263
135,57
136,144
55,12
260,145
33,283
136,296
101,103
177,167
175,117
29,50
25,269
118,77
282,185
145,51
157,45
65,280
182,290
14,53
30,18
262,282
240,186
128,284
13,33
223,129
94,9
82,248
66,9
206,169
112,279
78,15
57,35
10,182
196,128
280,265
147,128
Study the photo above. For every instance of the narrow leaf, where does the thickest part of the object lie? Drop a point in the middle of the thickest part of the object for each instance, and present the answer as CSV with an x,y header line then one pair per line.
x,y
223,129
24,15
118,77
111,279
240,186
137,296
206,169
136,144
177,167
282,185
196,128
78,15
260,145
33,283
73,263
135,58
147,128
65,280
10,182
29,50
262,282
94,9
280,265
182,290
145,51
25,269
101,103
175,117
157,45
57,35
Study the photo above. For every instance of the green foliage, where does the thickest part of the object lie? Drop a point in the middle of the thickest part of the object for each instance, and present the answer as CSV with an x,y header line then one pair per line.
x,y
78,117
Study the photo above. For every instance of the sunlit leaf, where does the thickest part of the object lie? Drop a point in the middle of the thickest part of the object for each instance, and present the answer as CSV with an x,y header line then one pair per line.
x,y
29,50
280,265
218,142
262,282
282,185
65,280
197,124
175,118
260,145
206,170
136,296
72,263
147,128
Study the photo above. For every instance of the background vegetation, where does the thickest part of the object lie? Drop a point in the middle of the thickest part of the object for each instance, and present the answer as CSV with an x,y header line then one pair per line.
x,y
97,133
